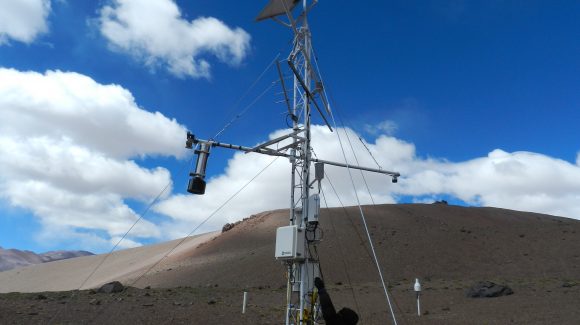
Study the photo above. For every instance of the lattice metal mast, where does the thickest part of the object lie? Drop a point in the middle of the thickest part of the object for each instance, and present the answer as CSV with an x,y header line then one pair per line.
x,y
300,281
307,92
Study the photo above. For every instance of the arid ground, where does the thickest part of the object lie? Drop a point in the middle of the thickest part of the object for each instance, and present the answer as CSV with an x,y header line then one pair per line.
x,y
202,281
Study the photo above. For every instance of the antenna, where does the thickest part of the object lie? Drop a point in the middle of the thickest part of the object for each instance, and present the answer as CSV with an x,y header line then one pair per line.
x,y
276,8
293,242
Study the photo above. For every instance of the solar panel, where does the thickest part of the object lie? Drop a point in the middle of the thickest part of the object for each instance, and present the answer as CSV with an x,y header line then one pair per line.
x,y
275,8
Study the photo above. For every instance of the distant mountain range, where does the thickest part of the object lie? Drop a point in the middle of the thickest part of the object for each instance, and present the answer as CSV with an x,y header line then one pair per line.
x,y
14,258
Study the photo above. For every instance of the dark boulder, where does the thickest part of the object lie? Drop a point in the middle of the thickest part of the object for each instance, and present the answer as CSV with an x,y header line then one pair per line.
x,y
227,226
569,284
41,297
488,289
112,287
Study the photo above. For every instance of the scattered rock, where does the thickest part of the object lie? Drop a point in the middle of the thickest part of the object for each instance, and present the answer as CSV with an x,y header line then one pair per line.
x,y
95,302
112,287
227,226
40,297
148,305
212,302
33,313
147,287
92,291
488,289
569,284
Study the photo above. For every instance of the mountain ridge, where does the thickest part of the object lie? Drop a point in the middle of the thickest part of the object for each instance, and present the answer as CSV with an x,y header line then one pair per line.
x,y
12,258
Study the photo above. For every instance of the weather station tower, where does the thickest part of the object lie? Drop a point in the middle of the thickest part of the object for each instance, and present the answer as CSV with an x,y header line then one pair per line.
x,y
296,242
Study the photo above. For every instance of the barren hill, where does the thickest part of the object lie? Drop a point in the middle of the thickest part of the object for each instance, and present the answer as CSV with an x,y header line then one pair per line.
x,y
448,248
425,241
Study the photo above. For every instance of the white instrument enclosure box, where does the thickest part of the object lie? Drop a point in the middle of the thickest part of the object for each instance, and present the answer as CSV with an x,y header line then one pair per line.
x,y
313,208
289,243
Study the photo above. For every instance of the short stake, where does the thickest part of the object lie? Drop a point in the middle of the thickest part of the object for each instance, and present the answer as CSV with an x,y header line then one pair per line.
x,y
244,303
417,288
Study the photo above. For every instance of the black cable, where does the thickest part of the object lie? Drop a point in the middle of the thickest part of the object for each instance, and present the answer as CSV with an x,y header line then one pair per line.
x,y
338,111
244,95
194,230
141,216
343,261
374,205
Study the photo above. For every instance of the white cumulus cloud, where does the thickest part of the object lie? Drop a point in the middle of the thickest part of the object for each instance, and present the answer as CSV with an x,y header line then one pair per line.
x,y
155,32
23,20
71,149
66,149
519,180
268,191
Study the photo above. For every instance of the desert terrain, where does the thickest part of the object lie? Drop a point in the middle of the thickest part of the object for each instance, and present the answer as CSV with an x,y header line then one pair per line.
x,y
449,248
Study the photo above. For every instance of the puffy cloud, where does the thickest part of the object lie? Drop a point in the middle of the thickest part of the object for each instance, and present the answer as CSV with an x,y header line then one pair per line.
x,y
271,189
123,243
520,180
64,236
23,20
66,144
155,32
387,127
268,191
70,105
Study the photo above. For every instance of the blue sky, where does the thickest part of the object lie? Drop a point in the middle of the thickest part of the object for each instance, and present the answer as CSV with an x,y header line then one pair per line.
x,y
473,101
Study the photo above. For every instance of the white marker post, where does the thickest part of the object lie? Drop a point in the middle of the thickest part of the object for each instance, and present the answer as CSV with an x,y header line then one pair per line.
x,y
418,291
244,303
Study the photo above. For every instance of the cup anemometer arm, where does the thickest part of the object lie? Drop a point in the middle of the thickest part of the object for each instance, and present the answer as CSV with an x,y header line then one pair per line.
x,y
202,149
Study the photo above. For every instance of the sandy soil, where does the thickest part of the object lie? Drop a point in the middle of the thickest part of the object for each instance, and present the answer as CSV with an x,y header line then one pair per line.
x,y
124,265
